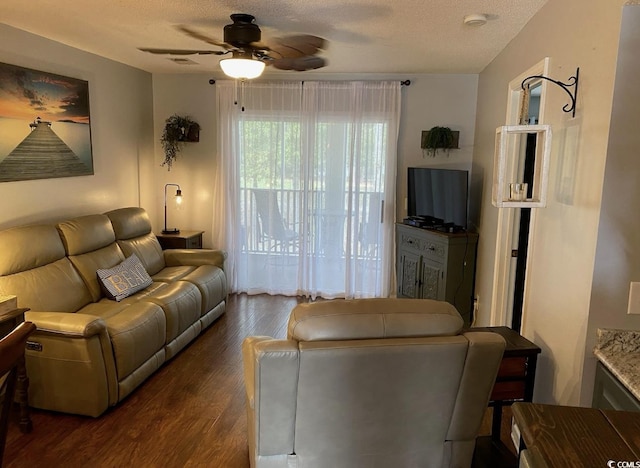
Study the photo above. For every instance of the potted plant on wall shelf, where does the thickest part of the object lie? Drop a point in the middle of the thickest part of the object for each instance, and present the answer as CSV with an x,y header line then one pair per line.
x,y
439,138
177,130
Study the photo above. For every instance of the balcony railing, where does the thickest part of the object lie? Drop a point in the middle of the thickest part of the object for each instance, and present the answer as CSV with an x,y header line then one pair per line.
x,y
324,224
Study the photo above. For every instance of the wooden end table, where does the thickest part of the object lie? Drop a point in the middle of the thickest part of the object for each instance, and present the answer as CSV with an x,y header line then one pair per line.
x,y
516,376
181,240
8,322
515,381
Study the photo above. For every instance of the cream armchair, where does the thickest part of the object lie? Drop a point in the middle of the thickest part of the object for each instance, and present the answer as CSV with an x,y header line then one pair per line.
x,y
369,383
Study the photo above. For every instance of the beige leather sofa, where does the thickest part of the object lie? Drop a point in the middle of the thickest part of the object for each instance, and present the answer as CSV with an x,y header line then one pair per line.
x,y
369,383
90,352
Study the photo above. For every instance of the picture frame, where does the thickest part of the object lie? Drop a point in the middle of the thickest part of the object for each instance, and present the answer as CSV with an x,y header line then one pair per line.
x,y
45,125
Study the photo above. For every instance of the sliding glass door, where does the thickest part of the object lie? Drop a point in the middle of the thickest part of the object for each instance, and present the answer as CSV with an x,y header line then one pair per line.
x,y
314,202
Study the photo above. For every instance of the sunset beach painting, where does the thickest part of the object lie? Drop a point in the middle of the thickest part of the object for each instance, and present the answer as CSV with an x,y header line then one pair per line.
x,y
45,126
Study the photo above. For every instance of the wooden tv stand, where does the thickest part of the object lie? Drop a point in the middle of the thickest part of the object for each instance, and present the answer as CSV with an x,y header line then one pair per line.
x,y
437,265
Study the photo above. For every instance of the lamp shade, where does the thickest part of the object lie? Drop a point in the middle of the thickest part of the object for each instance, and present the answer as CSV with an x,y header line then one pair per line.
x,y
242,68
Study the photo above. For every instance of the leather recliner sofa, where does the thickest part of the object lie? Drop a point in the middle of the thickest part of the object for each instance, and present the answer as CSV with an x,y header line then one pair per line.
x,y
369,383
89,352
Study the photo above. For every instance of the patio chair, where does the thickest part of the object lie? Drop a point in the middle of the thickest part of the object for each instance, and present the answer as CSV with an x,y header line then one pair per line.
x,y
370,227
271,226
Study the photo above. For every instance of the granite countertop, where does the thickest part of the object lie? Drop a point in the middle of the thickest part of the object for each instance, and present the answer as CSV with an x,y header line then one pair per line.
x,y
619,351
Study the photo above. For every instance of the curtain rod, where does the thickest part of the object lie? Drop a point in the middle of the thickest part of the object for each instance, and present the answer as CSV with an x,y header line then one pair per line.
x,y
402,82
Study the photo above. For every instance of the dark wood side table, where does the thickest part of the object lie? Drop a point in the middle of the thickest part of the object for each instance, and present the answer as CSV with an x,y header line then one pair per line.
x,y
516,376
515,382
562,436
181,240
9,321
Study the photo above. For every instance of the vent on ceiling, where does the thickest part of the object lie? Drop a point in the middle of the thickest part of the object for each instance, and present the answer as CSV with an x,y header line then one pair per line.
x,y
183,61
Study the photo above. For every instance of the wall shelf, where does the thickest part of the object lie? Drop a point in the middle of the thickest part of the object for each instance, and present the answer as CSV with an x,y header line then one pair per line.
x,y
456,139
512,144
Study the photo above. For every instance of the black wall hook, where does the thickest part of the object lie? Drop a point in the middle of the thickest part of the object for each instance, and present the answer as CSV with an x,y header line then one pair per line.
x,y
573,83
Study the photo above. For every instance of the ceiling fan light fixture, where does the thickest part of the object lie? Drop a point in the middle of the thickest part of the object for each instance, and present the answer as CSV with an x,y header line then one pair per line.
x,y
242,68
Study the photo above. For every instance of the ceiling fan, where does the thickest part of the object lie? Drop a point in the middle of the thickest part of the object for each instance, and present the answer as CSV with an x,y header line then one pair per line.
x,y
248,55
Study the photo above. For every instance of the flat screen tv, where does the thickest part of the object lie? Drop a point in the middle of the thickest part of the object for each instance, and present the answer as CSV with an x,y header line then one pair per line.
x,y
439,195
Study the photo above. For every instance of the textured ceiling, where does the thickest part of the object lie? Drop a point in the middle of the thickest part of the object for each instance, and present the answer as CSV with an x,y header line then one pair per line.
x,y
366,36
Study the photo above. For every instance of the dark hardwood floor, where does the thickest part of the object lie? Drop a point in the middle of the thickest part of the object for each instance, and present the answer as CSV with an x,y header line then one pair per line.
x,y
189,413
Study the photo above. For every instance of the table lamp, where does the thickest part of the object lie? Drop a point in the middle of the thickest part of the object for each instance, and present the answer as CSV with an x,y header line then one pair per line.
x,y
178,201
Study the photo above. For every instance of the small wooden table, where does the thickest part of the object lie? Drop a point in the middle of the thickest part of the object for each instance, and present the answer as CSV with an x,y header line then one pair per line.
x,y
9,321
181,240
516,376
515,381
567,436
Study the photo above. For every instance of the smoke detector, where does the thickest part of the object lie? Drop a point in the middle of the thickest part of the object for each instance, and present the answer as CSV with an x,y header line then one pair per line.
x,y
475,19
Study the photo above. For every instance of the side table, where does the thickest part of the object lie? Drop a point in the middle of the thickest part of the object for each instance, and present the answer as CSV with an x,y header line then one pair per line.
x,y
516,376
9,321
515,381
181,240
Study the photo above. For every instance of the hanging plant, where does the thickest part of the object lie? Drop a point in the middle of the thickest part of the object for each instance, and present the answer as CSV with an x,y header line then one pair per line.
x,y
177,130
439,138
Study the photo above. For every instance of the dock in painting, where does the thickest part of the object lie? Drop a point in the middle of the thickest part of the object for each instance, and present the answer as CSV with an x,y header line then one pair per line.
x,y
41,155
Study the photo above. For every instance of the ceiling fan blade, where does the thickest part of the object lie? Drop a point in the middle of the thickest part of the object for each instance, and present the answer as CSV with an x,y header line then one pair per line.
x,y
306,39
297,46
196,35
181,51
242,38
309,62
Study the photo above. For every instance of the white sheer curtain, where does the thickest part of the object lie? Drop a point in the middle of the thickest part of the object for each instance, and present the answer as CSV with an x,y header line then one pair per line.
x,y
307,180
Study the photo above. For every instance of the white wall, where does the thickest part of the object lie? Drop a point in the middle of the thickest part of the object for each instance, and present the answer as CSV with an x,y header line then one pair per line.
x,y
194,169
436,100
617,261
430,100
573,33
121,134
